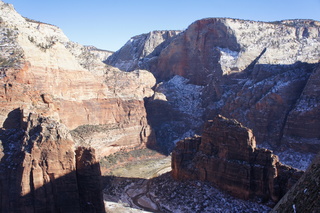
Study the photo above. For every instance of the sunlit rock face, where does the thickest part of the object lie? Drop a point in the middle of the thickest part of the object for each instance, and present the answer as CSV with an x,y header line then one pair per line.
x,y
41,70
226,155
141,51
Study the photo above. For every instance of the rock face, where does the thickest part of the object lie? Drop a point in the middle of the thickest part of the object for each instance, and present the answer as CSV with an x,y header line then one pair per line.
x,y
218,46
102,55
226,155
141,51
39,172
303,120
264,74
265,104
46,73
89,180
304,195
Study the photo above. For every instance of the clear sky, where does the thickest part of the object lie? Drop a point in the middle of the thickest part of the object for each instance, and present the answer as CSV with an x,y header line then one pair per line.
x,y
108,24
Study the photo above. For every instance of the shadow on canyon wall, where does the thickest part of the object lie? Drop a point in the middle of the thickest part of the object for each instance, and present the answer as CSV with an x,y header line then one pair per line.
x,y
277,101
31,180
78,191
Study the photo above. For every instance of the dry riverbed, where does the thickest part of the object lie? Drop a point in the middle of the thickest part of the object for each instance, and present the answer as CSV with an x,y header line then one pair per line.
x,y
146,185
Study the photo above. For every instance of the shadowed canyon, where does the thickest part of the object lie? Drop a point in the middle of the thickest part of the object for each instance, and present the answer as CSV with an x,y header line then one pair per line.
x,y
221,117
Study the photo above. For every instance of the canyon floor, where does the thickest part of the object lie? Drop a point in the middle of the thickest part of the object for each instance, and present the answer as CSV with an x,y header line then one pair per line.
x,y
144,184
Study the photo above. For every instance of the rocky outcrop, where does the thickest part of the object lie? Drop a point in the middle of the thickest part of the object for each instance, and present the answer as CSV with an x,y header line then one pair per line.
x,y
226,155
141,51
60,79
89,180
40,173
304,195
264,100
300,130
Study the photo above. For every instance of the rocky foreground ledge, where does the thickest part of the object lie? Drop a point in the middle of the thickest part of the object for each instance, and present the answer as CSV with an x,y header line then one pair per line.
x,y
40,170
226,155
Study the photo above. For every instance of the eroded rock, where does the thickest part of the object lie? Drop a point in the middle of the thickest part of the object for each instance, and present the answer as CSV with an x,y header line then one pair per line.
x,y
65,81
226,155
39,172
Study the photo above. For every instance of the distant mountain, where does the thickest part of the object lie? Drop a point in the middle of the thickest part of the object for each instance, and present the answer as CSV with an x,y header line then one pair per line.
x,y
139,51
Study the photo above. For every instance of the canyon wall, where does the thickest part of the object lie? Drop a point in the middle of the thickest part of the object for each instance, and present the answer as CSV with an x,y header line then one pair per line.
x,y
304,195
266,75
263,74
226,155
141,51
44,72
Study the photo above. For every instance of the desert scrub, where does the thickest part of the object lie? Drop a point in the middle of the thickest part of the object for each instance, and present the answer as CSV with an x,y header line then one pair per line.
x,y
89,129
125,157
36,22
11,54
44,46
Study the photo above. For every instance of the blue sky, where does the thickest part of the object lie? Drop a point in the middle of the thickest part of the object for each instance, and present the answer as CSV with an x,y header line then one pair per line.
x,y
109,24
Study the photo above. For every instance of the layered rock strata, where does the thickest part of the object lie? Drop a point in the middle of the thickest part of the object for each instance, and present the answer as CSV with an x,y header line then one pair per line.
x,y
60,79
260,73
40,173
226,155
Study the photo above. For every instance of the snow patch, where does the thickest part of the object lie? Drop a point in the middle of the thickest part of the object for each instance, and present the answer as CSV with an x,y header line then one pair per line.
x,y
295,159
228,59
183,96
305,105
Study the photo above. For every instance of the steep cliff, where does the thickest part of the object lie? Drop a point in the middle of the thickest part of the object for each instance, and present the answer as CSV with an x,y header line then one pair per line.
x,y
39,172
45,72
263,74
226,155
216,46
304,195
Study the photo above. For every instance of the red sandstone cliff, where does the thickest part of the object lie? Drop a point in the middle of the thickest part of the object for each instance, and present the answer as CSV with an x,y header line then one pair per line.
x,y
60,79
226,155
261,73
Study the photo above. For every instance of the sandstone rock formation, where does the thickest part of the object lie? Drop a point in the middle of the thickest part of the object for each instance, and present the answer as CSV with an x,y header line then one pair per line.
x,y
46,73
39,172
226,155
260,73
220,45
141,51
305,194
